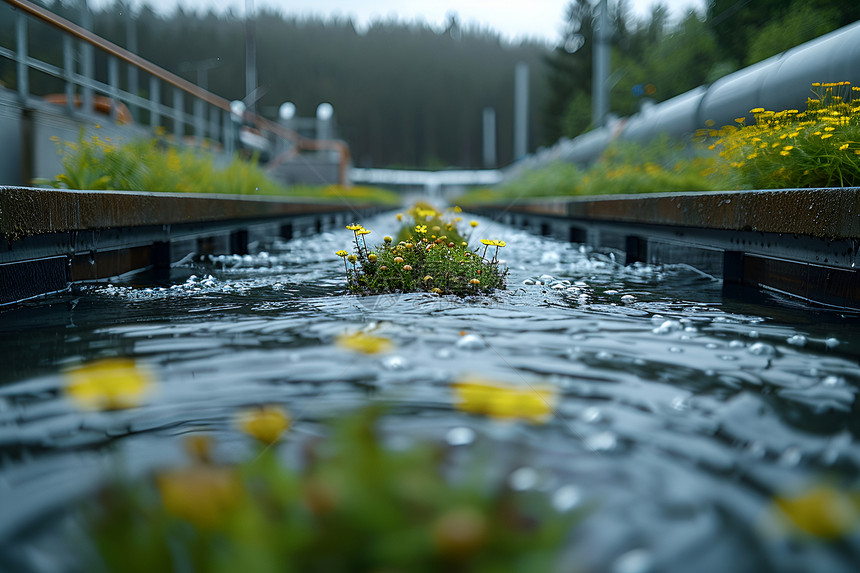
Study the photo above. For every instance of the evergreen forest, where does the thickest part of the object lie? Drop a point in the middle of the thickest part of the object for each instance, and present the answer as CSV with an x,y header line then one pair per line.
x,y
412,95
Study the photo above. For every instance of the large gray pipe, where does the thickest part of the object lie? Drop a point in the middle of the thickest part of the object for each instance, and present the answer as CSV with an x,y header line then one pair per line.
x,y
780,82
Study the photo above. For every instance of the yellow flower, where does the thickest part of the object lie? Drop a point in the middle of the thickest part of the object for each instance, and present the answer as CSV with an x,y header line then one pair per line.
x,y
829,128
821,511
757,110
204,495
400,216
788,147
364,343
843,147
372,257
110,384
475,282
266,424
352,258
826,135
387,239
398,259
354,227
473,223
457,209
505,401
341,253
407,267
420,228
362,232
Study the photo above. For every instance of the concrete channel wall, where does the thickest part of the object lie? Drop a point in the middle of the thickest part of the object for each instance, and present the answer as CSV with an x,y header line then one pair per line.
x,y
800,242
51,239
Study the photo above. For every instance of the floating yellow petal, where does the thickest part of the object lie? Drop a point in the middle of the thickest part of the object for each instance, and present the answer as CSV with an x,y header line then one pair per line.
x,y
364,343
505,401
266,424
821,511
110,384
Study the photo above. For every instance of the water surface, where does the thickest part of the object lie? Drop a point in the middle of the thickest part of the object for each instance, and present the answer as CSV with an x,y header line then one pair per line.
x,y
683,414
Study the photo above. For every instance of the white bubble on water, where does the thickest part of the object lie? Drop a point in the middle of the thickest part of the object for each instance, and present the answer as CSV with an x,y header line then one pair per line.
x,y
667,326
566,498
591,415
522,479
634,561
460,436
831,343
797,340
395,363
791,456
471,342
602,442
762,349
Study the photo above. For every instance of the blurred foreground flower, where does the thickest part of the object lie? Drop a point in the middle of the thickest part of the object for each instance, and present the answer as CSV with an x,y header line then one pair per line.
x,y
354,504
266,424
821,511
110,384
364,343
505,401
204,495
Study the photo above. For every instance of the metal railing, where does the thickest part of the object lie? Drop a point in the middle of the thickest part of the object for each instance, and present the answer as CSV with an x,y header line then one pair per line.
x,y
212,117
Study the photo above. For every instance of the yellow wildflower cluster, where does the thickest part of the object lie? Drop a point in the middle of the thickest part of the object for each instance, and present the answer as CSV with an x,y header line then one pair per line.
x,y
428,255
818,147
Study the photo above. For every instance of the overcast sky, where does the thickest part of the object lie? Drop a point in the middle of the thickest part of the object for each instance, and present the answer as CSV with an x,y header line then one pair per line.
x,y
512,18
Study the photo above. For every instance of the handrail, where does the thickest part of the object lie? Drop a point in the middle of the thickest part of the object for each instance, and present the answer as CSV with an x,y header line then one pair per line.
x,y
120,52
301,143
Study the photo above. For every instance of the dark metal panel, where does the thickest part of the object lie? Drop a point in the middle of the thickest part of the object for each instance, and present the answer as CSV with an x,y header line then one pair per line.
x,y
27,279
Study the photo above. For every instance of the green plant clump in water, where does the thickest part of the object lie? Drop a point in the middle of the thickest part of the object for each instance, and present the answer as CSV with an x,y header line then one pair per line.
x,y
353,506
819,147
423,261
97,163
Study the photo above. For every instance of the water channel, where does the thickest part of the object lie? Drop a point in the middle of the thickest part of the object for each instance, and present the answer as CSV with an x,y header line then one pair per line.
x,y
683,414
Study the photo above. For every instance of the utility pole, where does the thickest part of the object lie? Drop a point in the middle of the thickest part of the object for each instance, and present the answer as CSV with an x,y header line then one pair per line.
x,y
521,111
250,54
489,137
600,86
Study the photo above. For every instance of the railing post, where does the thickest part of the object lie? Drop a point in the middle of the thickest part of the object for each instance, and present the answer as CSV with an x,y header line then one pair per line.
x,y
131,46
154,102
215,123
113,82
87,65
69,71
229,132
178,111
21,57
199,120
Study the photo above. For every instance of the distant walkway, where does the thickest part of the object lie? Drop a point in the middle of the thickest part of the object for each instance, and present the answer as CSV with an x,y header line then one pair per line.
x,y
432,182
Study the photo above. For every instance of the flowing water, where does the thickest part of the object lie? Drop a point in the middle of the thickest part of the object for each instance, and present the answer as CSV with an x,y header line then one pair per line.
x,y
684,416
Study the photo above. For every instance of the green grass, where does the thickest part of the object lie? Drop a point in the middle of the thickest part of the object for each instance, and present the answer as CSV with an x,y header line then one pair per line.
x,y
96,163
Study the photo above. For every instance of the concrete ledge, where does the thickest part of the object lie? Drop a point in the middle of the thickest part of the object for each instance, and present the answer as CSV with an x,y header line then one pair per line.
x,y
50,239
801,242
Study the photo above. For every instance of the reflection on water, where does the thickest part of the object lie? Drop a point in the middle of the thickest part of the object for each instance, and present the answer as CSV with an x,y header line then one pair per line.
x,y
692,422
